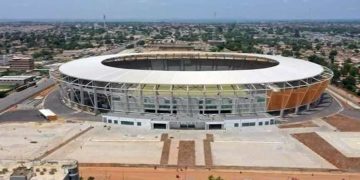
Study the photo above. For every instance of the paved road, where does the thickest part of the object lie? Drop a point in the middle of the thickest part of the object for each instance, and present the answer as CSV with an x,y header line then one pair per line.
x,y
345,98
342,94
31,115
348,109
18,97
327,107
54,103
121,48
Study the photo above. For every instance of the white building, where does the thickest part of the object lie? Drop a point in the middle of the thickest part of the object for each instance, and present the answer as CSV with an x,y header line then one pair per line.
x,y
16,80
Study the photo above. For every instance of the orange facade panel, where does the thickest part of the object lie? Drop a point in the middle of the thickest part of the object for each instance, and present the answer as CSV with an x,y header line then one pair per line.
x,y
310,95
277,100
296,97
321,89
292,98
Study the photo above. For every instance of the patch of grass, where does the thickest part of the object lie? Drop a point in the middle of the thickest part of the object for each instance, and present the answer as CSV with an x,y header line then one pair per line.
x,y
6,87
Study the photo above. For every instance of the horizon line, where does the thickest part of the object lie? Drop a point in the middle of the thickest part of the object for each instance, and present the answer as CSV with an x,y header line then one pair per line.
x,y
171,20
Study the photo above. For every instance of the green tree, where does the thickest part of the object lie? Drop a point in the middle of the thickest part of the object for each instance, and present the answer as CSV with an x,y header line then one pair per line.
x,y
141,43
352,46
337,74
2,94
287,53
211,177
130,46
354,71
349,83
332,55
346,69
43,54
318,60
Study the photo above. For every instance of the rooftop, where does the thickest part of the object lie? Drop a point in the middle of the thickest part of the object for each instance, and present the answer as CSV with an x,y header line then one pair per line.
x,y
287,69
15,78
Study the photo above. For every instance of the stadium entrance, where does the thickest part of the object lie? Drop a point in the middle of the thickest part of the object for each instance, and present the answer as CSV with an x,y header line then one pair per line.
x,y
187,125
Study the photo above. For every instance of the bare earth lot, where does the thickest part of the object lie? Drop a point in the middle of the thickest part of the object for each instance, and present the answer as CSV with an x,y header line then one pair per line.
x,y
313,147
30,140
117,173
344,123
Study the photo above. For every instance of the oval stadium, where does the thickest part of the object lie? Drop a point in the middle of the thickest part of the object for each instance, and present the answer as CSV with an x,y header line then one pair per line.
x,y
197,90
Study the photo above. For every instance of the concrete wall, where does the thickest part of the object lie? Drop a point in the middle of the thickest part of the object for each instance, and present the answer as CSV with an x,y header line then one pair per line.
x,y
137,123
292,98
243,123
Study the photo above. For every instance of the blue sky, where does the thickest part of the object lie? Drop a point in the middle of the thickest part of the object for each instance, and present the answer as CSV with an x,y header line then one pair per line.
x,y
180,9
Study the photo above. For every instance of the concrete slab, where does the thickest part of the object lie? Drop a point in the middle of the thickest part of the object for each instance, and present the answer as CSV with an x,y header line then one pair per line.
x,y
127,152
199,153
30,140
324,124
262,147
348,143
112,145
264,150
173,155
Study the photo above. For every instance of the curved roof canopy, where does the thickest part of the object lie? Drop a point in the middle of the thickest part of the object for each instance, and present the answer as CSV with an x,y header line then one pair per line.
x,y
288,69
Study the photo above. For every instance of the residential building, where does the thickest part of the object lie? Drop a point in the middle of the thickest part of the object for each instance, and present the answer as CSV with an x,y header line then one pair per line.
x,y
21,63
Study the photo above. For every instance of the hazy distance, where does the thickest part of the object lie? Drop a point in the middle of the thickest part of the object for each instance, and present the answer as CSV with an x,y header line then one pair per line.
x,y
179,9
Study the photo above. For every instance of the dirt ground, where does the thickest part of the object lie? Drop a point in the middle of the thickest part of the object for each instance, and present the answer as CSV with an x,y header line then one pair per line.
x,y
186,155
343,123
328,152
207,149
298,125
166,149
128,173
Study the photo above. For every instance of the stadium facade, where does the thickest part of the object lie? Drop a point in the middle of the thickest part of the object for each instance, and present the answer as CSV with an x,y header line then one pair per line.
x,y
191,89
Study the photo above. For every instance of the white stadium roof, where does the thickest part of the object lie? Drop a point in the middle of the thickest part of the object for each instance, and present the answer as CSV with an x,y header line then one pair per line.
x,y
288,69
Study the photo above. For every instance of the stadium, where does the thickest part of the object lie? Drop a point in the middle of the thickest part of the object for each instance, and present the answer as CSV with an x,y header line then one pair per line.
x,y
201,90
